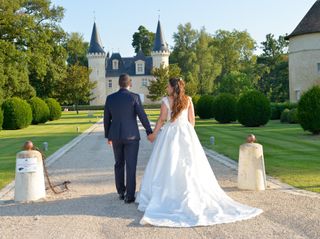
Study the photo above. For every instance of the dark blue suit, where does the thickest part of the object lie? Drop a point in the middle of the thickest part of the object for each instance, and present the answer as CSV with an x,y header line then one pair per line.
x,y
121,127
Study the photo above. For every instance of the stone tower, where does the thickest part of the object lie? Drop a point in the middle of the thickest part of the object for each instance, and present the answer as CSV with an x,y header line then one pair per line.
x,y
304,53
160,52
96,61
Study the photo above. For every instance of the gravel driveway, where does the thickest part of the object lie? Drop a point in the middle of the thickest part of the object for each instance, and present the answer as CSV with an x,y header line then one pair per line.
x,y
91,208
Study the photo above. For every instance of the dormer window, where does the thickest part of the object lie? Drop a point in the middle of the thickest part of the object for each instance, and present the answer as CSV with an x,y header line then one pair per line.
x,y
115,64
140,67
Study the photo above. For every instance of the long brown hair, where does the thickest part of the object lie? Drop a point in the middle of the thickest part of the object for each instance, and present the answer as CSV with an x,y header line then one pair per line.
x,y
180,100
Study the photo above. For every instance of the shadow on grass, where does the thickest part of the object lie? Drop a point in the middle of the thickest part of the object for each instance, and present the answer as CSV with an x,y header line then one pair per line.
x,y
72,123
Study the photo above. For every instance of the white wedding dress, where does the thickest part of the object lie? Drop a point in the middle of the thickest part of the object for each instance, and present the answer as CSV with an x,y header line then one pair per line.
x,y
178,188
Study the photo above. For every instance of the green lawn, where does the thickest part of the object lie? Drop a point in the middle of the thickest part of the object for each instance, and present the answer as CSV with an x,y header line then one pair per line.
x,y
56,133
291,154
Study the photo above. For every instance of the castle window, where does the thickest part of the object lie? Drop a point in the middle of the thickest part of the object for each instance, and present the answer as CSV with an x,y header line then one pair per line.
x,y
115,64
318,67
298,94
139,67
145,82
110,83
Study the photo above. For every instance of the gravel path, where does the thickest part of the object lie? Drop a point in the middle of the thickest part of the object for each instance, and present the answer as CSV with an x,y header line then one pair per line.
x,y
91,208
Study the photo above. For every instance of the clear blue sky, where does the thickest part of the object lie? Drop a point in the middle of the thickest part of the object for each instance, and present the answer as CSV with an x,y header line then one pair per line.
x,y
117,20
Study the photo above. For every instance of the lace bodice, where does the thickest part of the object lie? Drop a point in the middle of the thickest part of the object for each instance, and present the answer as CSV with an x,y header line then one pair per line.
x,y
183,115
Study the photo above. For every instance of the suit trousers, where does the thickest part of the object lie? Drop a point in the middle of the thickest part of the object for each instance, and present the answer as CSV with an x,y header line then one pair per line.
x,y
126,155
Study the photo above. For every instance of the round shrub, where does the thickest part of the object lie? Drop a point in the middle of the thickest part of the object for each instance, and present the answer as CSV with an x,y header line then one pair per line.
x,y
293,116
309,110
17,113
204,107
284,116
54,109
278,108
195,100
1,119
40,110
253,109
225,108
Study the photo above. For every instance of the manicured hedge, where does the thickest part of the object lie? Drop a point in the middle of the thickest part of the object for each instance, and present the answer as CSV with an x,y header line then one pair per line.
x,y
225,108
54,109
293,116
253,109
284,116
17,113
204,107
309,110
195,100
40,110
278,108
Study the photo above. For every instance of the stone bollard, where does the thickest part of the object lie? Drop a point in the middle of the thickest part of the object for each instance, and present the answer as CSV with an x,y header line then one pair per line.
x,y
251,171
29,182
212,139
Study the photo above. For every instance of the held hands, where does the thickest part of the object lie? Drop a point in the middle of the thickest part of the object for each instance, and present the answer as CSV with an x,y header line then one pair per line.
x,y
151,137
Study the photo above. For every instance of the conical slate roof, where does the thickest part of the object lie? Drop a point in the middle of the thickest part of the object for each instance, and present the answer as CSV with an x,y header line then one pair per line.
x,y
95,43
159,42
310,23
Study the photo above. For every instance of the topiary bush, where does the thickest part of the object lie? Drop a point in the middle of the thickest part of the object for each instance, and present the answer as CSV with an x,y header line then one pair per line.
x,y
54,109
17,114
293,116
204,107
195,100
309,110
253,109
225,108
278,108
40,110
1,119
284,116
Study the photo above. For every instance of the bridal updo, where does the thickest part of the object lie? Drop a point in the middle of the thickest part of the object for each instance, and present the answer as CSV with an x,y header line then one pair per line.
x,y
180,99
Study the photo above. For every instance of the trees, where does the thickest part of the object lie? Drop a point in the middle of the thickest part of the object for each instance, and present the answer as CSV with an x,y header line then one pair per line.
x,y
234,50
207,66
274,80
30,47
143,38
235,83
157,88
184,56
206,60
76,49
76,87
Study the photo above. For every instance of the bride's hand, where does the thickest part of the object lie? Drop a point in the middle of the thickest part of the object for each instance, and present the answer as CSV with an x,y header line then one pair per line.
x,y
151,137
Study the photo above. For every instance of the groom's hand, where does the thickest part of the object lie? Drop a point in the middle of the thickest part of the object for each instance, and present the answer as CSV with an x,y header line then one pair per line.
x,y
109,142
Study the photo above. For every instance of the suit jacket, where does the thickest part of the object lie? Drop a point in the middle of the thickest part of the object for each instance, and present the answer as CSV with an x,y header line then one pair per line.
x,y
120,116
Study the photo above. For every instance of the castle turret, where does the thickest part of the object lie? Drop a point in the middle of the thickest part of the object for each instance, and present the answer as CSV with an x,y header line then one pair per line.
x,y
304,54
160,52
96,61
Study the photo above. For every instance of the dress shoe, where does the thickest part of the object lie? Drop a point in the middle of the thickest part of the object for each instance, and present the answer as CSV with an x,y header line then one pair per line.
x,y
121,196
127,200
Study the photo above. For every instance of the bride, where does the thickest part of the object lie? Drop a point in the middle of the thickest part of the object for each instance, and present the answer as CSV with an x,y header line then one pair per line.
x,y
178,188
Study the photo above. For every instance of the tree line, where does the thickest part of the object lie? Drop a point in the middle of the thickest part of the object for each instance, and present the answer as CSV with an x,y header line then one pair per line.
x,y
223,62
37,57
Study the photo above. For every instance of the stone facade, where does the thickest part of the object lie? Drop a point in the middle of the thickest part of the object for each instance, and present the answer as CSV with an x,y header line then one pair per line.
x,y
304,54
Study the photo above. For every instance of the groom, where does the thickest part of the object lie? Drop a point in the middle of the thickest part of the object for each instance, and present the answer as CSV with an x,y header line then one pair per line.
x,y
121,129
